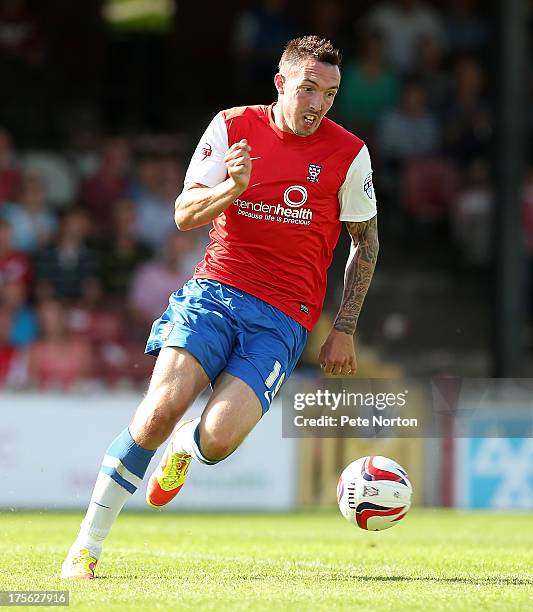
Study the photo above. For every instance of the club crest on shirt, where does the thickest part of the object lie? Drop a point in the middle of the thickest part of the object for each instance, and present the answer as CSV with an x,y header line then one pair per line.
x,y
206,151
369,187
313,173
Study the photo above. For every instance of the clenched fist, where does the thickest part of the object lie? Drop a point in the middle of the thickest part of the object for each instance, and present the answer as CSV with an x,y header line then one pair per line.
x,y
239,164
337,355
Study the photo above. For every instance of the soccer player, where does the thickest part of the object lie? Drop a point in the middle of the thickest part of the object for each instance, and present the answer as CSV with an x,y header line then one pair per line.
x,y
276,181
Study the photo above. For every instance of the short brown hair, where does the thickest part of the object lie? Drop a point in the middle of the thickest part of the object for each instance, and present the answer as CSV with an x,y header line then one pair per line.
x,y
313,46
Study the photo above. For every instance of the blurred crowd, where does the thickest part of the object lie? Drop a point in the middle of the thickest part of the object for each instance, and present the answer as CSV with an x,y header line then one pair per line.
x,y
81,281
419,92
88,248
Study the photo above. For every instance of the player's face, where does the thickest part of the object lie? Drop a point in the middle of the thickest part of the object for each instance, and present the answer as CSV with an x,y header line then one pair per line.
x,y
306,94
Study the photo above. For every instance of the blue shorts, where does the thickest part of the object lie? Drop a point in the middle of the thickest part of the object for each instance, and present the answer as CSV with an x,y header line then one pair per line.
x,y
228,330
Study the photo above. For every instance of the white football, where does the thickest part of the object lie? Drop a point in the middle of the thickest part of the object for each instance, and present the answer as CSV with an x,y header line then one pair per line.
x,y
374,493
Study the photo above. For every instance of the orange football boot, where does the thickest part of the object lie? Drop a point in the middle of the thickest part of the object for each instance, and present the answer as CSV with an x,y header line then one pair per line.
x,y
169,476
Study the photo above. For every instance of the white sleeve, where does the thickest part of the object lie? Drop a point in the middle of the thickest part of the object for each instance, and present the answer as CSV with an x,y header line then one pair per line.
x,y
356,195
207,165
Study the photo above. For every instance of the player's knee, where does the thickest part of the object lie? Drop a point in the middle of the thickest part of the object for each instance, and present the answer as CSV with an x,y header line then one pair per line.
x,y
159,423
166,401
158,415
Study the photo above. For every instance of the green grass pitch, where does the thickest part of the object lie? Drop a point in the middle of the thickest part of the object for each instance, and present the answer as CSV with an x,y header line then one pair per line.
x,y
434,560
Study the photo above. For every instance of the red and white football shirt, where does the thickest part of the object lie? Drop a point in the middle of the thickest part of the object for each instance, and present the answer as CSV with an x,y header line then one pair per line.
x,y
276,240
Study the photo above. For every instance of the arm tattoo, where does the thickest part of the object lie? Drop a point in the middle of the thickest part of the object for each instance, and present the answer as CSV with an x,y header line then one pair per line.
x,y
358,273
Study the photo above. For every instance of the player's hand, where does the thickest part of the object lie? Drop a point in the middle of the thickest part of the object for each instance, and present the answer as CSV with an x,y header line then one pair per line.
x,y
239,164
337,355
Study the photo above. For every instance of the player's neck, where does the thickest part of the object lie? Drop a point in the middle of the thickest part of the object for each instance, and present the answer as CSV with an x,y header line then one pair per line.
x,y
277,115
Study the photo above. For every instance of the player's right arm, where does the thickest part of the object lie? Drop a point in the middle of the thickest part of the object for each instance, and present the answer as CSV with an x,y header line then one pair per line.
x,y
217,174
199,204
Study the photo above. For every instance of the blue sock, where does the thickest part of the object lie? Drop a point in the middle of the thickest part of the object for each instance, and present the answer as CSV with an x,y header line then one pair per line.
x,y
126,462
196,437
122,471
186,439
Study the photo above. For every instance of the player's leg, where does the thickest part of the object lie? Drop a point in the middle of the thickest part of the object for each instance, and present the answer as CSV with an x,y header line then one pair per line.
x,y
196,320
268,346
231,413
176,381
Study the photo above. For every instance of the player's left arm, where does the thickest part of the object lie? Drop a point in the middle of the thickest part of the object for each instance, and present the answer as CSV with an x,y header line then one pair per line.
x,y
337,355
358,210
358,274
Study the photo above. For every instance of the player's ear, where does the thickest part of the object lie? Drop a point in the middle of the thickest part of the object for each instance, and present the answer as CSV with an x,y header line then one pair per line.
x,y
279,82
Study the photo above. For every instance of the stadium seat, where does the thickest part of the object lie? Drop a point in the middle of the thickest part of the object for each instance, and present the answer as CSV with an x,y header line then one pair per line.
x,y
59,177
430,185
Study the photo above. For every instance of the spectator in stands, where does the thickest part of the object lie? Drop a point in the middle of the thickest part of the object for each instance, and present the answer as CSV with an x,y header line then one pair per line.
x,y
472,215
68,268
156,279
328,20
32,222
121,253
410,130
94,319
9,174
108,184
260,33
467,118
466,31
369,87
159,184
15,266
15,276
8,351
24,326
58,360
431,73
146,177
403,23
429,187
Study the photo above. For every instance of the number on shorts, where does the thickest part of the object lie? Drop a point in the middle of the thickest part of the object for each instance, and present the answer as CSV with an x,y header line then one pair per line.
x,y
272,378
